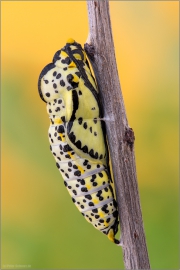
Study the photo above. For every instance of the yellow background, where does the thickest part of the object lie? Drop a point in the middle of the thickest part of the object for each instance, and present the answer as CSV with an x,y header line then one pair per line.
x,y
41,229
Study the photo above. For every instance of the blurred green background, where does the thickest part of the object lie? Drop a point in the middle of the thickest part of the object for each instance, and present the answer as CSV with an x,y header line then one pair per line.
x,y
41,229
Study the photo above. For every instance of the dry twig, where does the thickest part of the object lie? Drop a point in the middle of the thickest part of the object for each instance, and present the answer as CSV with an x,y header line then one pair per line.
x,y
100,49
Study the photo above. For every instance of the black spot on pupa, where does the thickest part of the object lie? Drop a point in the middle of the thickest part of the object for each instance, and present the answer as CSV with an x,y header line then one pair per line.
x,y
91,153
115,214
62,83
72,137
69,164
54,85
47,94
107,220
77,173
101,221
57,109
104,207
57,164
78,74
80,120
96,155
85,162
99,193
89,197
60,129
67,148
85,149
70,78
63,118
85,125
91,204
93,176
67,60
80,93
54,73
58,76
82,181
114,202
74,84
84,189
78,144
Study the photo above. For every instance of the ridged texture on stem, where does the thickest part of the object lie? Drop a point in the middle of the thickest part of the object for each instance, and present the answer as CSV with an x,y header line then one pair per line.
x,y
100,49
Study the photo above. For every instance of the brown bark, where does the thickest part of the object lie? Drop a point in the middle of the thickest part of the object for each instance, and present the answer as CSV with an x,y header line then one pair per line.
x,y
100,49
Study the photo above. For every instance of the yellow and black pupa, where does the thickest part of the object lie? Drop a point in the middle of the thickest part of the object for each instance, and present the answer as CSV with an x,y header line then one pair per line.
x,y
77,136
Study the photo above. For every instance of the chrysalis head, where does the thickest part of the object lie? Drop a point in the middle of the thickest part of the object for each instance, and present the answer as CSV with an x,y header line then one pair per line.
x,y
62,74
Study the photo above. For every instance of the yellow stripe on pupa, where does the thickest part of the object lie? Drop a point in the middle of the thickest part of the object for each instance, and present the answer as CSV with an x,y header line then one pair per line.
x,y
72,64
63,53
70,40
77,56
57,121
111,235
